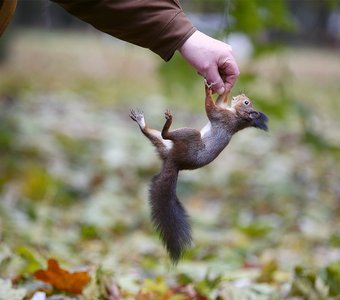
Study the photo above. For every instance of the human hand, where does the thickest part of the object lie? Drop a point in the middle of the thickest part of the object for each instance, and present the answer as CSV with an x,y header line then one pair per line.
x,y
213,60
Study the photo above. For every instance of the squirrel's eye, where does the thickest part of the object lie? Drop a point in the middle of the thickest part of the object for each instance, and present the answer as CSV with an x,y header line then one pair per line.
x,y
246,102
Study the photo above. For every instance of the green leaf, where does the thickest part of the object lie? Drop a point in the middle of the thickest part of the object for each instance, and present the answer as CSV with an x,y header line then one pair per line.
x,y
32,259
335,240
89,231
38,183
306,283
208,284
331,276
255,229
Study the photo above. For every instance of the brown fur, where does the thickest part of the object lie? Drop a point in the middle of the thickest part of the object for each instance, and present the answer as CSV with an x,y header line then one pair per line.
x,y
188,149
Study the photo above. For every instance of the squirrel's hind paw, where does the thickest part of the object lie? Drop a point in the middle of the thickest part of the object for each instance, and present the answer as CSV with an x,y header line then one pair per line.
x,y
137,116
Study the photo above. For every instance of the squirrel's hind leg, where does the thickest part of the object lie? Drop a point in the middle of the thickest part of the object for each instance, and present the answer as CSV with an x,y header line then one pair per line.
x,y
153,135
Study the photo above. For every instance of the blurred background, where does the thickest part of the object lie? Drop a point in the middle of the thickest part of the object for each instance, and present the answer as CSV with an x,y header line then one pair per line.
x,y
74,169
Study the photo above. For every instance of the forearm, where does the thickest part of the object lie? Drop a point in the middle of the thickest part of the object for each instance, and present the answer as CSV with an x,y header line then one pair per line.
x,y
158,25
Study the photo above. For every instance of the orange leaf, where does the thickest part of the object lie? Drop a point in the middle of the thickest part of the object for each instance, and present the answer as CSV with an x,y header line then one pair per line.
x,y
62,279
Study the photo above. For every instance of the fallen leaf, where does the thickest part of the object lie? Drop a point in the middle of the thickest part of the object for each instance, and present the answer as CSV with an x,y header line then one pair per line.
x,y
331,276
268,272
31,258
157,289
61,279
39,296
102,286
7,291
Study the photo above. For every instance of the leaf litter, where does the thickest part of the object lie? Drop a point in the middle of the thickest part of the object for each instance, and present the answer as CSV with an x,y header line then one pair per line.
x,y
74,186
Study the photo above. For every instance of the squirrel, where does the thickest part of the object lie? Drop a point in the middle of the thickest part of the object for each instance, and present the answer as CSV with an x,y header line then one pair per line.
x,y
189,149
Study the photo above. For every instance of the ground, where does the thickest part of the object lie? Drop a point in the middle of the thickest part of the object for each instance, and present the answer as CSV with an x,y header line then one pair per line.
x,y
75,169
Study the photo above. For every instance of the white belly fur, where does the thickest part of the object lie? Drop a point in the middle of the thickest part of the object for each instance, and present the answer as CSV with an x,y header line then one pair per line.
x,y
206,129
167,143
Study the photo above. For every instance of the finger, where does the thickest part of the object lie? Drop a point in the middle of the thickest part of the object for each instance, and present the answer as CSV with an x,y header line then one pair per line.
x,y
230,82
229,72
214,80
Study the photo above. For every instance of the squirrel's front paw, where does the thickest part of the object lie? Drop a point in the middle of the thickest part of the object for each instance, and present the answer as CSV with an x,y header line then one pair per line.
x,y
168,115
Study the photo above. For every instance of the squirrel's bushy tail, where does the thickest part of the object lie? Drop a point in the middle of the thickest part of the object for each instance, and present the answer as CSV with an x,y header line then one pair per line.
x,y
167,213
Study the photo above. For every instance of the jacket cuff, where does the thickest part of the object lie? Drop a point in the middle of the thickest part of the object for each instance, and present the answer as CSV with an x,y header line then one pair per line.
x,y
173,36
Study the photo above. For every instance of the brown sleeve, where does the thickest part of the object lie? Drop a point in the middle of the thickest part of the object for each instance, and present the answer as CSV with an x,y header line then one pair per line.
x,y
159,25
7,9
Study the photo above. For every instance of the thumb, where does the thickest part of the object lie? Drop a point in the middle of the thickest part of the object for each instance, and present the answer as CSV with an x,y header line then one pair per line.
x,y
215,81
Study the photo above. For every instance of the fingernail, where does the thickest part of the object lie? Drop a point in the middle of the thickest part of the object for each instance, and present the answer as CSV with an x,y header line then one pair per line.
x,y
221,90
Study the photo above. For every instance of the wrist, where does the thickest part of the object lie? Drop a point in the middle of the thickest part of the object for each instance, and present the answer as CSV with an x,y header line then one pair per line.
x,y
191,43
